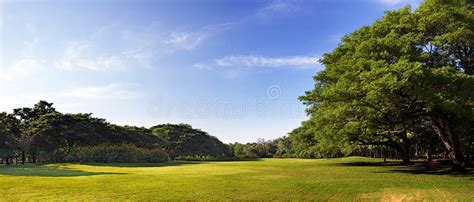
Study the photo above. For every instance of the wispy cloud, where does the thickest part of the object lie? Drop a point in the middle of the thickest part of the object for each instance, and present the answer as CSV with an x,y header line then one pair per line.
x,y
74,57
391,3
185,40
110,91
27,66
75,97
158,39
279,7
146,45
262,62
135,47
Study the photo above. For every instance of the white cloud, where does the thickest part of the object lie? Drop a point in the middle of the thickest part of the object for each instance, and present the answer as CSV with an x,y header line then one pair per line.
x,y
159,40
27,66
71,54
73,99
252,61
114,91
102,63
111,91
185,40
138,47
238,65
74,57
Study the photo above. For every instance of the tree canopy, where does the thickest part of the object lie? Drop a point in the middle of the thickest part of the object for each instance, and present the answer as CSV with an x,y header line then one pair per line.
x,y
42,134
407,70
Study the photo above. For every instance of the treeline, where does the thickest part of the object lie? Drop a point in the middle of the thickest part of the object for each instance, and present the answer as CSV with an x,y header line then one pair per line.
x,y
42,134
303,144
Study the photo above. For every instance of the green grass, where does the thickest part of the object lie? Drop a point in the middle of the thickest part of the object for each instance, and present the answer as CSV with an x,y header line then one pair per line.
x,y
267,179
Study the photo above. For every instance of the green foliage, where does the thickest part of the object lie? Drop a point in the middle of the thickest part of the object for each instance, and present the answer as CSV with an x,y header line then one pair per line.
x,y
8,133
57,134
42,134
123,153
184,142
386,79
303,142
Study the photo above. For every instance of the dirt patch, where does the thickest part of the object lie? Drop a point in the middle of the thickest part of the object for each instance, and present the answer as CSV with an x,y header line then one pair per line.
x,y
395,195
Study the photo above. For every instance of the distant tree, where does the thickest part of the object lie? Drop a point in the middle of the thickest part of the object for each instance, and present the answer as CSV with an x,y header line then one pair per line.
x,y
238,150
26,116
139,136
8,132
183,141
283,147
57,134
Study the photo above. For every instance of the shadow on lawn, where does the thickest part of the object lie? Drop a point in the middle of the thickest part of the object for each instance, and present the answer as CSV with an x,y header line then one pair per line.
x,y
414,168
165,164
389,163
46,171
433,170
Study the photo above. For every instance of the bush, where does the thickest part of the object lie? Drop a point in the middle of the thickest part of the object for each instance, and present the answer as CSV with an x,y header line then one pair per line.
x,y
123,153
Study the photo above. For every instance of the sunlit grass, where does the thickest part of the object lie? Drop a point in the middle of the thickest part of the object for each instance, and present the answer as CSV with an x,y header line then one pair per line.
x,y
265,179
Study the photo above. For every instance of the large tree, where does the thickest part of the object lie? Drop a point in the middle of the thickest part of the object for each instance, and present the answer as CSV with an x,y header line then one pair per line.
x,y
57,134
406,69
26,116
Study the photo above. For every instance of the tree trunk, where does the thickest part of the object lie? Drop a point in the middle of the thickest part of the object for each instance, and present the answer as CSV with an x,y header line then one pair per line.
x,y
429,156
458,158
451,142
23,157
403,150
33,157
406,148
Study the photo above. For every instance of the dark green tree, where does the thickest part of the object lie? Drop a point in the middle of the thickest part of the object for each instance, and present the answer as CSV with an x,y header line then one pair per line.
x,y
8,132
183,141
406,69
25,117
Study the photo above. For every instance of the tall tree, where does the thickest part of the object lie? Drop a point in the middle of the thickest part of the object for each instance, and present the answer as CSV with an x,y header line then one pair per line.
x,y
25,117
406,69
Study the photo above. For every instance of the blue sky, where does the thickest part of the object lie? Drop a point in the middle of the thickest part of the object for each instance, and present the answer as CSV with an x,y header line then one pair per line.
x,y
231,68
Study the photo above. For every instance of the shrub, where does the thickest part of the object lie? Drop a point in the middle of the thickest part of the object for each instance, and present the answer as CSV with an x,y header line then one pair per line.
x,y
123,153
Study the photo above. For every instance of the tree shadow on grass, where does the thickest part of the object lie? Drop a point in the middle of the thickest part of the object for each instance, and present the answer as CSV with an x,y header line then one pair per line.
x,y
372,164
164,164
46,171
434,170
414,168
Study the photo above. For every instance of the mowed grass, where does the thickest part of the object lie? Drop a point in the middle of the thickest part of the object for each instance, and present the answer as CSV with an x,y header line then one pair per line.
x,y
353,178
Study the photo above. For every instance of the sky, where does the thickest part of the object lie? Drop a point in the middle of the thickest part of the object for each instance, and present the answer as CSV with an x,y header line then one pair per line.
x,y
233,68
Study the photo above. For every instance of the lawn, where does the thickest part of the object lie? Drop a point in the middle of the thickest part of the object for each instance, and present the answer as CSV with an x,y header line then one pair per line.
x,y
267,179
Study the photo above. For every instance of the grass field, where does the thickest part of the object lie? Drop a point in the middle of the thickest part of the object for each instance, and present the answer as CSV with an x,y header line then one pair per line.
x,y
339,179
